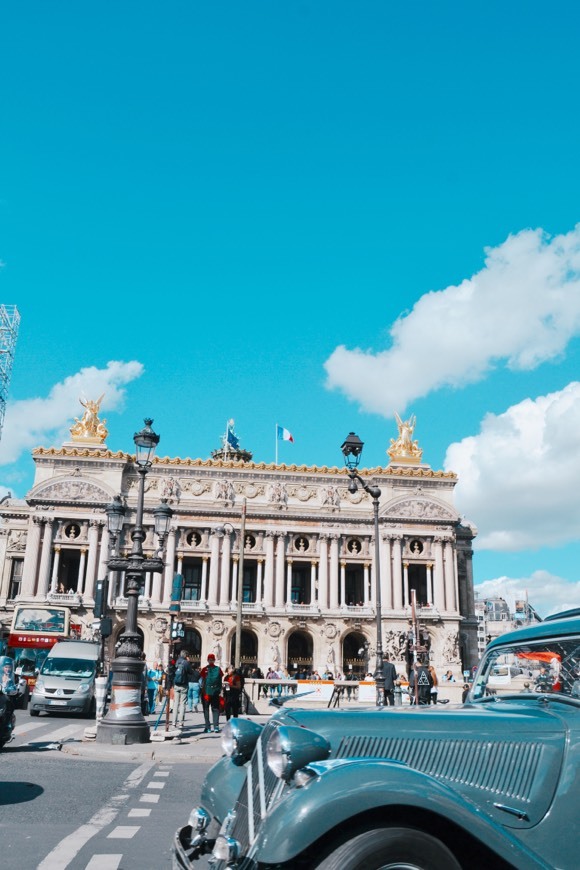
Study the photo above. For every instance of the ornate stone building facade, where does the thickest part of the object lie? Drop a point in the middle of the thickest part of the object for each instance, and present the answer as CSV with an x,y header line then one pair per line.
x,y
308,588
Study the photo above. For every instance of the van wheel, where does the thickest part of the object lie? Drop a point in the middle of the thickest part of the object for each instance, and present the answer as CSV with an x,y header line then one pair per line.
x,y
35,712
391,849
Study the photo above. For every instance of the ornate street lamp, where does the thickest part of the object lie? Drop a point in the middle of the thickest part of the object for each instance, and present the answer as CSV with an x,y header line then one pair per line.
x,y
352,448
124,722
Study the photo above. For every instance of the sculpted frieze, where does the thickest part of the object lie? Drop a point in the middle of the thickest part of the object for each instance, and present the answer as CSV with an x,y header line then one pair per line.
x,y
71,489
421,510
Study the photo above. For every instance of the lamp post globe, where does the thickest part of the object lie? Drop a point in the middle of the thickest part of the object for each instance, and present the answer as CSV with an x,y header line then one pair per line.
x,y
352,448
124,722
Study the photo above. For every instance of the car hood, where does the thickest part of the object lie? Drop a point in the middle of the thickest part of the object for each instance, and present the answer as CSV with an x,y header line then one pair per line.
x,y
506,757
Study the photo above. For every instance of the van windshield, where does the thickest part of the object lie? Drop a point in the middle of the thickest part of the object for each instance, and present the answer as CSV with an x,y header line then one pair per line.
x,y
79,669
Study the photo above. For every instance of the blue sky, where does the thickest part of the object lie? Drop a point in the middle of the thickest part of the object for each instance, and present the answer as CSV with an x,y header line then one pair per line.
x,y
314,214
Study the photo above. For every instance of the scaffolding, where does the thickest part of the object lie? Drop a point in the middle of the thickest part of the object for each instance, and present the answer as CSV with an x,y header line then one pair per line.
x,y
9,323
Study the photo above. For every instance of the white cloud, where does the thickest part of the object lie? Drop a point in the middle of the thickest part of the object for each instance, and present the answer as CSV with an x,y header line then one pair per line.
x,y
30,422
546,592
521,309
519,478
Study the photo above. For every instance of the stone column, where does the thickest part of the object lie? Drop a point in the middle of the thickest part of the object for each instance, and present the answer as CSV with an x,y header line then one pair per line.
x,y
429,583
367,584
45,559
343,600
323,573
386,574
289,564
450,577
55,564
397,573
214,566
31,558
280,547
224,599
81,575
235,580
94,529
448,574
169,566
147,585
203,591
406,596
259,580
439,591
180,563
333,579
102,569
269,572
313,581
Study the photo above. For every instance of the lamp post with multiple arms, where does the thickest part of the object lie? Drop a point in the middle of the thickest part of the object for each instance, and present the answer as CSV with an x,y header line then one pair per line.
x,y
124,722
240,584
351,450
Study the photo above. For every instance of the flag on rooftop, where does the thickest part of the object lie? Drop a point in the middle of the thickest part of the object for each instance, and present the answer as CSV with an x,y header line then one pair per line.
x,y
284,434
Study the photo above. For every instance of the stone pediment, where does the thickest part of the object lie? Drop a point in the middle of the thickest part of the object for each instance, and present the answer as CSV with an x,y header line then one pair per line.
x,y
420,509
70,489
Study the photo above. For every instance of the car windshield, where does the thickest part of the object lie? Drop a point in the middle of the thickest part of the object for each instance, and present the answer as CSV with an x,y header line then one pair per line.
x,y
544,667
75,668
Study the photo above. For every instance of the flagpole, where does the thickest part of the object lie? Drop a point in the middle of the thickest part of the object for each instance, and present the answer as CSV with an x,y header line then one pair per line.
x,y
276,440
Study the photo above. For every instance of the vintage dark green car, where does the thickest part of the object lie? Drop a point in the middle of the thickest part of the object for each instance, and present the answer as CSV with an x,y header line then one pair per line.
x,y
492,783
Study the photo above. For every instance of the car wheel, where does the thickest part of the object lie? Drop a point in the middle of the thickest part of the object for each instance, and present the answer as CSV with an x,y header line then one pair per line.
x,y
391,849
35,712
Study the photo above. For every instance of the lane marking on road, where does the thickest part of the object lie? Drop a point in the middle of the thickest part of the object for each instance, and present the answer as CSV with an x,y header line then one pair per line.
x,y
25,729
154,784
161,773
104,862
149,798
61,734
138,811
123,832
69,847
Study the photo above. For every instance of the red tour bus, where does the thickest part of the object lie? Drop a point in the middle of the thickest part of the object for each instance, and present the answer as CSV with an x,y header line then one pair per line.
x,y
34,630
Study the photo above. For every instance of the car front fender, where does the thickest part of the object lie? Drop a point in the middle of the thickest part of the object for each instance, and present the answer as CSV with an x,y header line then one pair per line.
x,y
222,786
344,789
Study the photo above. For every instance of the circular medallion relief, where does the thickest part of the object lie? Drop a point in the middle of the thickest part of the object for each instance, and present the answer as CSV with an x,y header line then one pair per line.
x,y
274,629
330,631
217,626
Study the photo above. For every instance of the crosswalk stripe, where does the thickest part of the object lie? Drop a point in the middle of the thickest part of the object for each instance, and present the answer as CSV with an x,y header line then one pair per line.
x,y
123,832
149,798
138,811
154,784
104,862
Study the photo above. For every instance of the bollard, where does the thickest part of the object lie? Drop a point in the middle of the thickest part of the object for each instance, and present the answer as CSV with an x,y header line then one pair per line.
x,y
100,696
398,695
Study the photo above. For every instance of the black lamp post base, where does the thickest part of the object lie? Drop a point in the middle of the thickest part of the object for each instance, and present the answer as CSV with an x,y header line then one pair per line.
x,y
117,734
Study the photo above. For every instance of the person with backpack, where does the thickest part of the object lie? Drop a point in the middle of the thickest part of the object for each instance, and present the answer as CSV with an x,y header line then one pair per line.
x,y
211,677
181,680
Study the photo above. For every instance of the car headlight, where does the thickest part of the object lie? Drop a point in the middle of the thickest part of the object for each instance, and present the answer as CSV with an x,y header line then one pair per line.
x,y
239,738
289,749
199,819
84,688
39,685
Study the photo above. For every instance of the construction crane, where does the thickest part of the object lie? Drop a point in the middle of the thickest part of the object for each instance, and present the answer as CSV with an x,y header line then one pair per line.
x,y
9,323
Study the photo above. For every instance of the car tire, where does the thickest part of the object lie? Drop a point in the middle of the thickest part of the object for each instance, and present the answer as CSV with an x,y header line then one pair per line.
x,y
35,712
391,848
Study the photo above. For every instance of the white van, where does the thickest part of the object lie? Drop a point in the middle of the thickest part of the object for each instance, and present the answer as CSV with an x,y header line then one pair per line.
x,y
66,682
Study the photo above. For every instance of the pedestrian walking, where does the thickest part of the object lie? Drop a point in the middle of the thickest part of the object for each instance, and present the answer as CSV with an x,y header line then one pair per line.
x,y
390,677
193,691
211,677
181,680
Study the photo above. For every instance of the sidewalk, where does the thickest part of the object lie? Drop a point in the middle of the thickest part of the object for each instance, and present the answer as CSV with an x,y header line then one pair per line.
x,y
188,745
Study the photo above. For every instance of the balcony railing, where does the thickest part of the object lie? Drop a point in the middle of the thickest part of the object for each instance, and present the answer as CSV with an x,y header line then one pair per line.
x,y
302,608
194,605
120,602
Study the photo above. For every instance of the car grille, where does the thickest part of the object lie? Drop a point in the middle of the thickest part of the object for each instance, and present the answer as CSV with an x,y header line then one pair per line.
x,y
259,792
63,692
507,767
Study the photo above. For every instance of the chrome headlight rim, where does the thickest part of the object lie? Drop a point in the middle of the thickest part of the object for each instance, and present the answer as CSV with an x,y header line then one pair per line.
x,y
239,739
199,820
290,749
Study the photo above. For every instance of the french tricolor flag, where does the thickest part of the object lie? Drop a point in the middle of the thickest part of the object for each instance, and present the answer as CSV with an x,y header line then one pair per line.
x,y
284,434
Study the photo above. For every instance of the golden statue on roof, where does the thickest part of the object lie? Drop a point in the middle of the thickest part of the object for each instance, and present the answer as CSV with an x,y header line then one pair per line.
x,y
89,429
403,449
